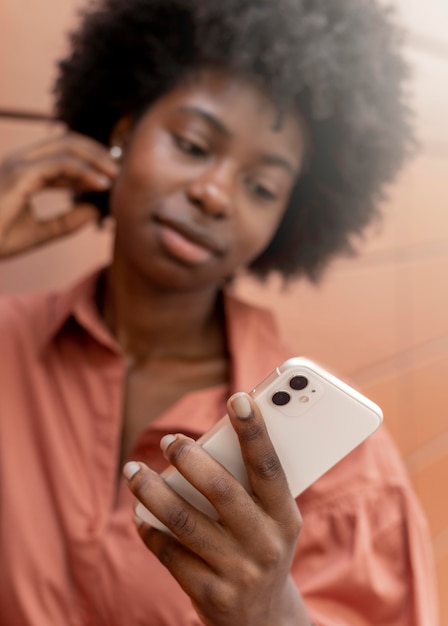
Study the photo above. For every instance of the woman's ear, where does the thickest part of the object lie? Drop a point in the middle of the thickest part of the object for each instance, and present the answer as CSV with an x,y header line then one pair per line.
x,y
120,134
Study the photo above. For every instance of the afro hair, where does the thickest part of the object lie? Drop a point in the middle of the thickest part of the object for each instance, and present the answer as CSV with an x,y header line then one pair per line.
x,y
340,63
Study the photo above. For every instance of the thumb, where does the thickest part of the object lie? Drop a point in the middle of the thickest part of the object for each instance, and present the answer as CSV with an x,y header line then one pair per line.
x,y
79,216
62,225
28,233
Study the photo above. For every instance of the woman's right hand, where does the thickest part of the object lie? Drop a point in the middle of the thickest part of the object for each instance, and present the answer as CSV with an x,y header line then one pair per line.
x,y
72,162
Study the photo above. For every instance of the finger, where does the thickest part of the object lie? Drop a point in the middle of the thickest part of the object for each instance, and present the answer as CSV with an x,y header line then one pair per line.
x,y
66,224
197,532
265,473
193,574
208,481
65,172
72,144
235,507
29,233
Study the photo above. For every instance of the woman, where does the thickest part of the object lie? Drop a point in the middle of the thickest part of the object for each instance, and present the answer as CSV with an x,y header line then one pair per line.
x,y
219,136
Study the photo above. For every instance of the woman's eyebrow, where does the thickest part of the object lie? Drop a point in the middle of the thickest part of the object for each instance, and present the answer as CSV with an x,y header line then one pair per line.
x,y
282,162
208,117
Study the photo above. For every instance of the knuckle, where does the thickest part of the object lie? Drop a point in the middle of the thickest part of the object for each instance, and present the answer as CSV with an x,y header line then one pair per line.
x,y
65,158
181,522
11,167
222,489
180,451
269,467
141,483
9,163
272,556
219,597
252,432
293,527
76,142
67,141
166,554
249,576
296,524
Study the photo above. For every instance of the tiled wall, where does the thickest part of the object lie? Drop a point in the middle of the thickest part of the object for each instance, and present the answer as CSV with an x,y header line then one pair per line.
x,y
380,320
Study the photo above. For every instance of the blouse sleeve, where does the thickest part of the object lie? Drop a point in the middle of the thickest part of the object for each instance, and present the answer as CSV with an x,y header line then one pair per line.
x,y
365,558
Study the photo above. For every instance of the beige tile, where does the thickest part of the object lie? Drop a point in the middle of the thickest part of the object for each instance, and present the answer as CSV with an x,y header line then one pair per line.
x,y
415,405
415,214
430,96
425,16
363,315
31,39
16,135
430,485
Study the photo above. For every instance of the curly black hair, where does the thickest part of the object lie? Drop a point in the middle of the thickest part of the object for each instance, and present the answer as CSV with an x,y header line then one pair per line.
x,y
340,62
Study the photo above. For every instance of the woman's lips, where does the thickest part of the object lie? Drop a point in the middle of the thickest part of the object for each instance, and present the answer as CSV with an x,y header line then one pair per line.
x,y
182,247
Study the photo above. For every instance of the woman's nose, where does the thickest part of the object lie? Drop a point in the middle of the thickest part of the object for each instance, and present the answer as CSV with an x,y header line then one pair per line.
x,y
213,192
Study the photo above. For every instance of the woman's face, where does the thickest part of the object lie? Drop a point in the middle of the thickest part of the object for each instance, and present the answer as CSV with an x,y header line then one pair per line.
x,y
205,179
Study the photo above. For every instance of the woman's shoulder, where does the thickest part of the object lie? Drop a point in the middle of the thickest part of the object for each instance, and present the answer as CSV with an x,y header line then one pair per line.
x,y
33,317
22,318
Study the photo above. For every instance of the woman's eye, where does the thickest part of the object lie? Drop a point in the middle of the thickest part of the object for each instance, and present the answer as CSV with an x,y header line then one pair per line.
x,y
190,147
261,191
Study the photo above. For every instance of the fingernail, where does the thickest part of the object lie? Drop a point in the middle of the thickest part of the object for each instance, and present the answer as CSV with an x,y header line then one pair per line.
x,y
130,469
138,520
241,405
104,181
166,441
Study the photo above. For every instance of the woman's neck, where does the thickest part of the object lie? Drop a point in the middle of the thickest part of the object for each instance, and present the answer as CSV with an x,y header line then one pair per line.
x,y
150,323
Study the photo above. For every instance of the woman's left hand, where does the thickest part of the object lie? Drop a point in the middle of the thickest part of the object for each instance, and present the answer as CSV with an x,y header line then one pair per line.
x,y
236,570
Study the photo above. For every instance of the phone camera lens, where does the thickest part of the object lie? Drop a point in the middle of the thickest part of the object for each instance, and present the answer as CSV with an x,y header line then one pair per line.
x,y
280,398
298,382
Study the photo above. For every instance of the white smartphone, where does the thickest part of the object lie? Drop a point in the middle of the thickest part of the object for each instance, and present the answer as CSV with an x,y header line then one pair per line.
x,y
313,419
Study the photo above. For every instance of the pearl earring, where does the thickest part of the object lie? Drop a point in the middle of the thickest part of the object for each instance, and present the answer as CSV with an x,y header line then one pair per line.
x,y
116,153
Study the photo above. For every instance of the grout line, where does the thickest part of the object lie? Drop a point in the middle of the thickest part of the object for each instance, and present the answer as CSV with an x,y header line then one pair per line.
x,y
425,43
433,350
31,116
429,453
437,448
401,255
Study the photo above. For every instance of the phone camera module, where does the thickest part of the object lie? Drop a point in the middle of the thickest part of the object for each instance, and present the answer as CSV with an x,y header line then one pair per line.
x,y
298,382
280,398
